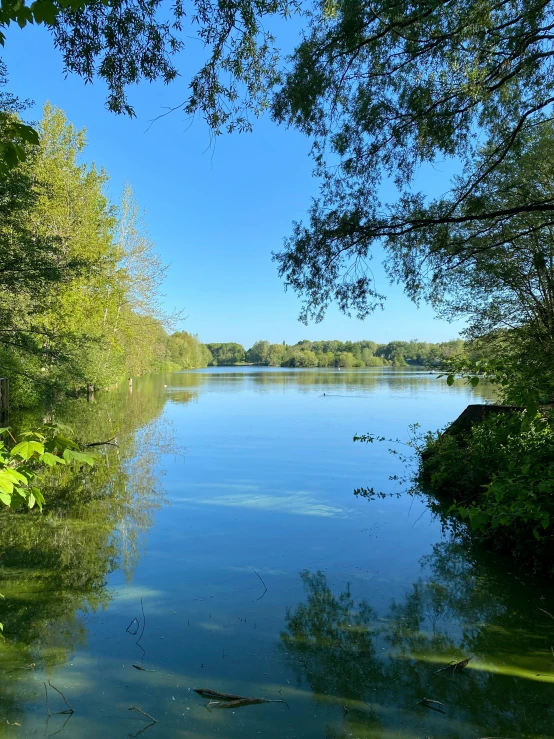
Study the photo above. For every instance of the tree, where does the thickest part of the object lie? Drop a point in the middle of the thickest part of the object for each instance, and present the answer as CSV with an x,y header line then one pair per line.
x,y
383,88
125,41
80,281
72,206
259,353
15,136
186,351
276,354
227,353
54,227
502,280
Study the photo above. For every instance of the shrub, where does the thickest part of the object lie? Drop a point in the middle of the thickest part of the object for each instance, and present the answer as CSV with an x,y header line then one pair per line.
x,y
499,478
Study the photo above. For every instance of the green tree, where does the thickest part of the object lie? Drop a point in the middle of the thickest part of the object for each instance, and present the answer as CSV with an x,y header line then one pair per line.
x,y
259,353
383,88
56,233
123,42
187,352
80,286
276,354
227,354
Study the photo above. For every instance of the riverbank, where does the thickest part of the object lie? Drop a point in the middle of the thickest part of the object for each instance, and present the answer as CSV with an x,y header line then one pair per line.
x,y
497,476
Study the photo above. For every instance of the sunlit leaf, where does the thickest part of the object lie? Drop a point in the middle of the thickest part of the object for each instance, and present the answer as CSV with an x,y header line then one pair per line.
x,y
72,456
26,449
51,459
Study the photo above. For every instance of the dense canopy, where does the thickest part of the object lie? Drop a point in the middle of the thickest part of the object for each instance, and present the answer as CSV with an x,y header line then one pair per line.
x,y
387,87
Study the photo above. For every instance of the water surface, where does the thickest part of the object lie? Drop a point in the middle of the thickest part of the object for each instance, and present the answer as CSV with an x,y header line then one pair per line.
x,y
224,537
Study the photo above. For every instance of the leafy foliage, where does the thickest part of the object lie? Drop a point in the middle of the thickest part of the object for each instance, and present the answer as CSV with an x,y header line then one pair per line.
x,y
386,87
226,353
23,462
353,353
186,351
124,41
500,476
80,283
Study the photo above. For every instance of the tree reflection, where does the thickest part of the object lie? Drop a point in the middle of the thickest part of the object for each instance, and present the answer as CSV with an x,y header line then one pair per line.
x,y
332,639
332,381
54,566
378,670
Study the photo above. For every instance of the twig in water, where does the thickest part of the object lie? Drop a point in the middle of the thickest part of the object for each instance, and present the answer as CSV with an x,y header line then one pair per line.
x,y
456,666
428,703
207,693
108,442
141,731
263,583
229,700
47,706
143,622
67,703
140,667
142,632
548,614
134,708
133,625
62,727
241,702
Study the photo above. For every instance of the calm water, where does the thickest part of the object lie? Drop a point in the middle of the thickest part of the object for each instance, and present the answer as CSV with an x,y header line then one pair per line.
x,y
228,510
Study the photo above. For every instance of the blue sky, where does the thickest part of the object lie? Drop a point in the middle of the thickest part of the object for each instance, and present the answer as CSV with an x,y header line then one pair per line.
x,y
215,214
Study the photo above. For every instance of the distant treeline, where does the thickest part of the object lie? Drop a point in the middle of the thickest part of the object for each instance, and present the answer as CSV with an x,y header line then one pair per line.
x,y
335,353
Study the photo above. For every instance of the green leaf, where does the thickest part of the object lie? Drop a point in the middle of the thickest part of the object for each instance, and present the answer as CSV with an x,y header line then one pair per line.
x,y
51,459
13,475
59,427
6,483
15,502
71,456
26,449
44,11
536,534
39,497
474,381
32,435
62,443
450,380
5,498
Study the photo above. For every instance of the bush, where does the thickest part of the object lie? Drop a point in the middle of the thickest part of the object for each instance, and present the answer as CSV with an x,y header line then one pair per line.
x,y
499,477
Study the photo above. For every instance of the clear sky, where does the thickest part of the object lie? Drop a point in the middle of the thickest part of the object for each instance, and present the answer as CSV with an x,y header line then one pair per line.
x,y
215,214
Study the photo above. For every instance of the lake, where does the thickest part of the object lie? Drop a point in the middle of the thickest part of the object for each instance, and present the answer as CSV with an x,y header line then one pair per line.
x,y
220,545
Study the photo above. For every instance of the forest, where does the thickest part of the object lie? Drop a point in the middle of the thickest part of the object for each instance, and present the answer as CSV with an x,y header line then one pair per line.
x,y
346,354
